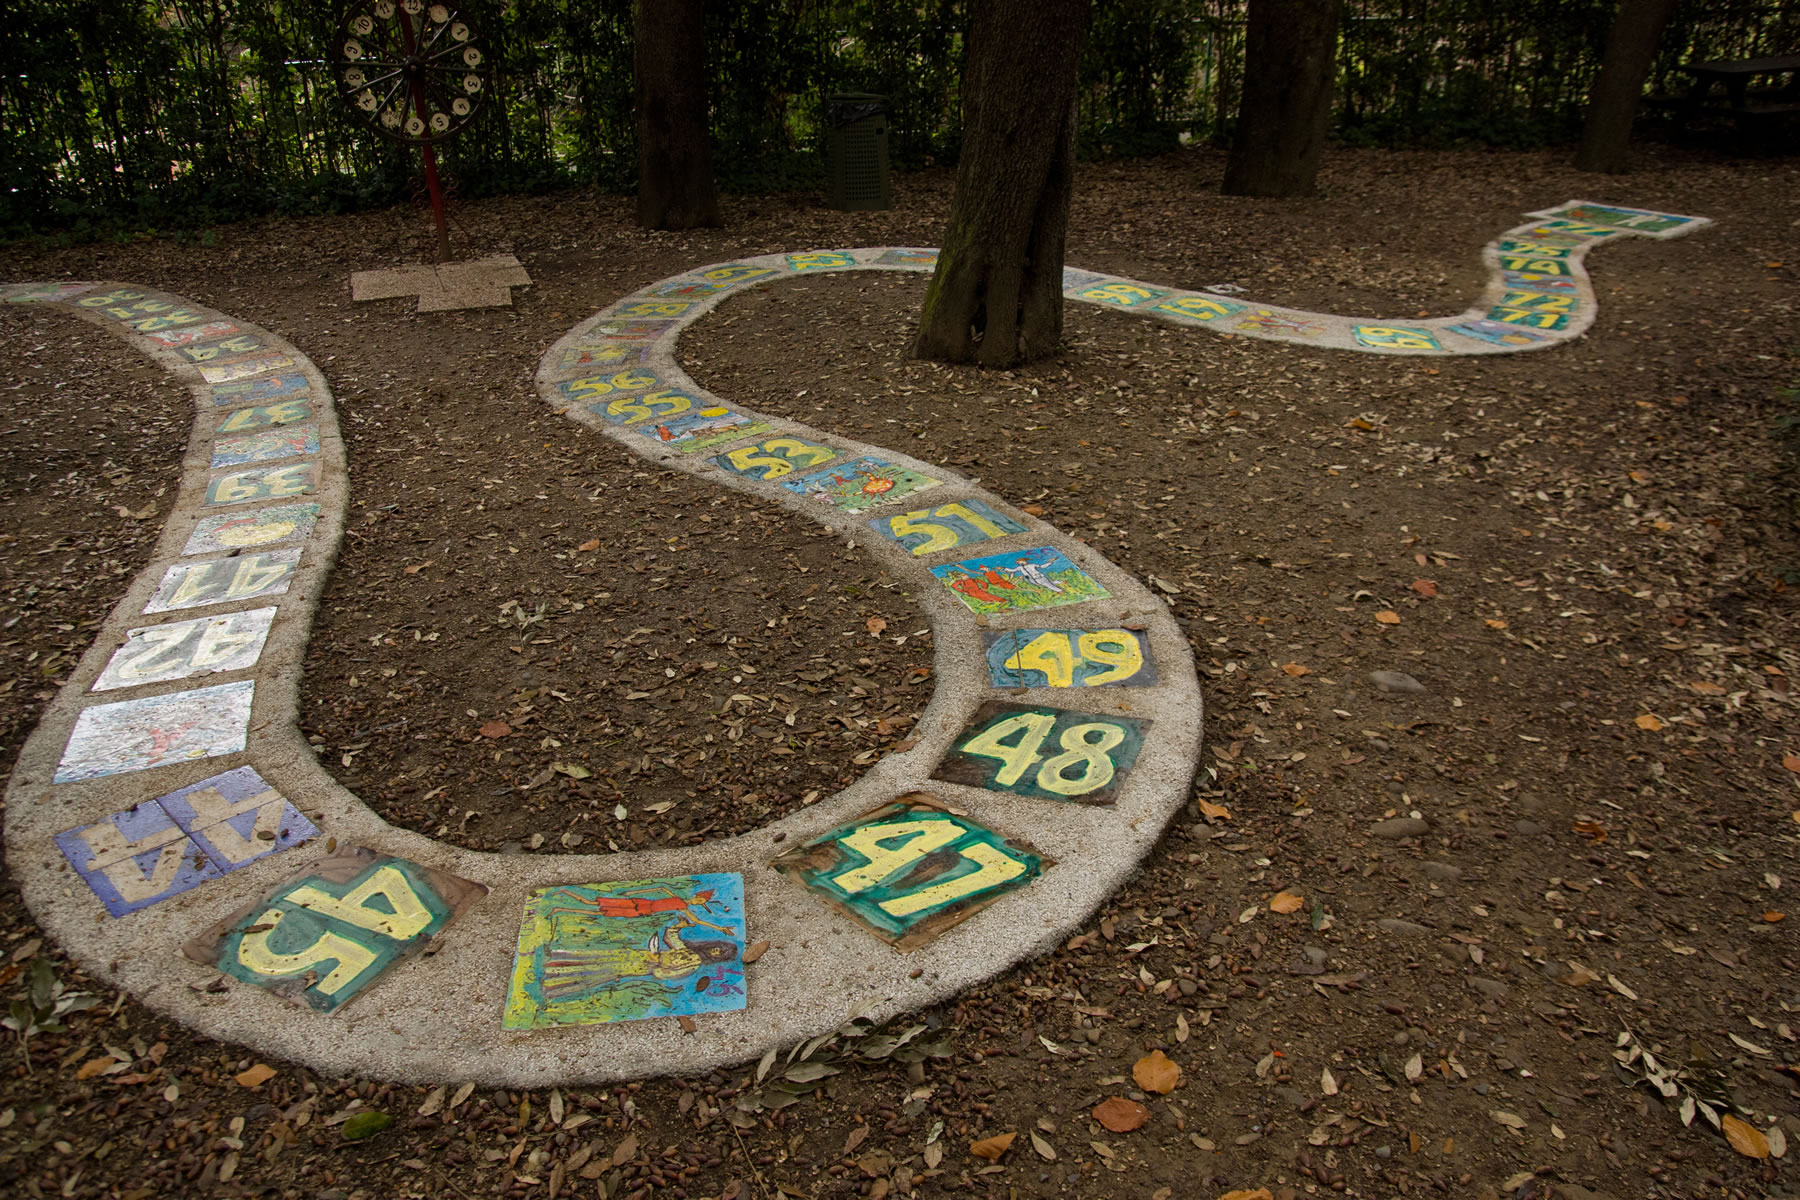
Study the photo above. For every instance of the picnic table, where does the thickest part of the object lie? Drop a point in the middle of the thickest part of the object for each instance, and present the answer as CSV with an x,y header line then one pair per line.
x,y
1736,77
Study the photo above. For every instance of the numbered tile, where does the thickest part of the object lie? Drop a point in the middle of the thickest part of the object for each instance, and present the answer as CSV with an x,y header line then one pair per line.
x,y
1497,334
911,869
206,645
1272,323
608,383
236,450
1623,220
627,951
46,293
1038,577
193,335
774,458
1395,337
929,530
654,308
237,818
1536,264
323,938
262,483
693,289
909,258
1536,318
702,429
263,415
1574,229
244,368
1554,285
1536,248
736,274
256,391
860,484
115,298
1199,308
223,581
591,357
260,527
1060,658
820,260
1053,753
136,858
137,735
229,349
1122,294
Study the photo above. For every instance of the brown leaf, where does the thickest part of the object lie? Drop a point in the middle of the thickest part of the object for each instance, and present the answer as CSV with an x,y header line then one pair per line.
x,y
687,1024
625,1151
1296,670
495,729
875,625
1121,1115
1216,812
1593,830
1044,1149
1772,917
1790,761
1744,1137
95,1066
1425,587
417,567
1156,1072
1495,623
1252,1194
1036,510
590,544
934,1154
1286,902
1713,689
755,951
1388,616
855,1139
992,1148
1647,722
256,1076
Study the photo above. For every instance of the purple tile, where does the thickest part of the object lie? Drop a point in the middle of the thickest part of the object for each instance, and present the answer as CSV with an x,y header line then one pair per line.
x,y
237,818
136,858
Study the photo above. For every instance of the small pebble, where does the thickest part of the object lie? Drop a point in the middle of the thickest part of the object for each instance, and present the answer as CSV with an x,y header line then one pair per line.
x,y
1526,828
1401,827
1439,872
1395,681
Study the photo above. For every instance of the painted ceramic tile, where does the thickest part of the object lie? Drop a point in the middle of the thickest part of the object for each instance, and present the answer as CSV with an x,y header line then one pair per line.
x,y
608,383
860,484
1632,220
1536,318
1052,753
136,858
260,527
292,441
237,818
929,530
152,321
46,293
1578,229
225,349
225,580
735,274
136,735
205,645
703,429
262,483
255,391
324,937
692,289
1395,337
774,458
1532,282
1497,334
911,258
262,415
245,368
1199,308
653,308
1537,264
634,330
1018,580
1537,247
115,298
627,951
602,355
1060,658
1125,295
1281,324
195,334
911,869
820,260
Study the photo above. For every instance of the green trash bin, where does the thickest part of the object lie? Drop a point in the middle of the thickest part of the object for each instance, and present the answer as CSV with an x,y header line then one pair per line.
x,y
859,152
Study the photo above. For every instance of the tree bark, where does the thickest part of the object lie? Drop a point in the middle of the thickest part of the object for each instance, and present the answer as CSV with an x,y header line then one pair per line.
x,y
1290,63
1631,44
996,298
675,179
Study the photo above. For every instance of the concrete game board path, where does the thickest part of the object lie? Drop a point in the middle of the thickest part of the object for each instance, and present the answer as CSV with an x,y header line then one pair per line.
x,y
168,785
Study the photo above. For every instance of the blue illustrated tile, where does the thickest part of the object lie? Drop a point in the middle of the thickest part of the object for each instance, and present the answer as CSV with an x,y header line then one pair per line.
x,y
237,818
136,858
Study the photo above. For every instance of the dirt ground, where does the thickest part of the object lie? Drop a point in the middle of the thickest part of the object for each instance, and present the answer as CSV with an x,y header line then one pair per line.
x,y
1581,823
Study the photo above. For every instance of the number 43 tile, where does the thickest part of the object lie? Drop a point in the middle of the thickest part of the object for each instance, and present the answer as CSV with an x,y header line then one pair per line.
x,y
1055,753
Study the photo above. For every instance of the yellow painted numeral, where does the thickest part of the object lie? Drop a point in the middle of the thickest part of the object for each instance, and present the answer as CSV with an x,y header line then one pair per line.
x,y
1090,754
1114,647
1030,728
1049,653
350,958
921,838
409,916
643,408
996,867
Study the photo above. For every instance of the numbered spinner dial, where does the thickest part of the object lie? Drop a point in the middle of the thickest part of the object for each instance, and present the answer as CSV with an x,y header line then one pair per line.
x,y
411,70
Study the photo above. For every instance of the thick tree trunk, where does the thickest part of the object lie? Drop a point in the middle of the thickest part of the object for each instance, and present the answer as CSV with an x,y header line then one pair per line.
x,y
675,180
996,298
1630,47
1290,62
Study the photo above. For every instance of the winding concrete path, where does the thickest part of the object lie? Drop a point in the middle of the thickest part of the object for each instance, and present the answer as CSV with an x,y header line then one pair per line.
x,y
167,789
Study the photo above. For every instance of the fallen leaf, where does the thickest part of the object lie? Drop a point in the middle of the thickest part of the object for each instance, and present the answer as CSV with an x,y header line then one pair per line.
x,y
1790,761
590,544
875,625
1590,829
1286,902
1495,623
1620,988
1772,916
1415,1067
1253,1194
1425,587
433,1102
992,1148
1388,616
1327,1083
1744,1137
1713,689
1647,722
1120,1115
756,951
256,1076
1218,812
1510,1120
1296,670
95,1066
625,1151
687,1024
365,1124
1156,1072
1752,1047
934,1154
417,567
495,729
856,1138
1044,1149
1036,510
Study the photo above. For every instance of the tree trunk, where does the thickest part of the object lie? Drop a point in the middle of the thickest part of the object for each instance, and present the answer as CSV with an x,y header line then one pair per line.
x,y
1630,46
1290,62
675,180
996,298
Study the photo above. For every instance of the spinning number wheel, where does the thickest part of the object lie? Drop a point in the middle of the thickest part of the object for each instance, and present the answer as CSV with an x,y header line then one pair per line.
x,y
414,72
